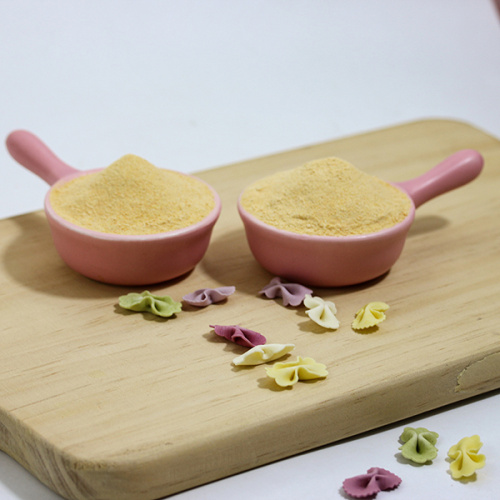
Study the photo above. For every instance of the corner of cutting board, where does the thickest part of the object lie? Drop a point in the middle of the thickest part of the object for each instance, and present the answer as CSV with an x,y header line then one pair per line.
x,y
445,123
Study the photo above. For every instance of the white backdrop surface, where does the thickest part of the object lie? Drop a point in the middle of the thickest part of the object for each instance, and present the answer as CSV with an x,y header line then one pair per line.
x,y
192,85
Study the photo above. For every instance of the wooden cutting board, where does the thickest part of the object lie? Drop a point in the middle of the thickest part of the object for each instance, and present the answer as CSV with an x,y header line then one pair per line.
x,y
100,403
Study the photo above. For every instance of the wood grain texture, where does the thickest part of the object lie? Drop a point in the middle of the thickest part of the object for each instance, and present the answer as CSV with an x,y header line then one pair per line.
x,y
100,403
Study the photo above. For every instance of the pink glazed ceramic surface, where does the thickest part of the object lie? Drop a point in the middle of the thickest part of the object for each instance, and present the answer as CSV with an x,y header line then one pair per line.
x,y
329,261
111,258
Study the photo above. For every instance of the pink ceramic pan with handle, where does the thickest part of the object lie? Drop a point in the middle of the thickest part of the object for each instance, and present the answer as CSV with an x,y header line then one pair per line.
x,y
112,258
330,261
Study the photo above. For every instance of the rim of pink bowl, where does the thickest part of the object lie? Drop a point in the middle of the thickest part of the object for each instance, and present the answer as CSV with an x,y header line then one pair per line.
x,y
208,220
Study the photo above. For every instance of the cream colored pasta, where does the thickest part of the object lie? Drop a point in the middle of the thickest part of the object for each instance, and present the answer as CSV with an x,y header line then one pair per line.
x,y
321,312
263,353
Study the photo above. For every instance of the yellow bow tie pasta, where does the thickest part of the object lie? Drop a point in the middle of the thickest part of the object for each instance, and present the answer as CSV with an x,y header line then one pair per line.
x,y
289,373
370,315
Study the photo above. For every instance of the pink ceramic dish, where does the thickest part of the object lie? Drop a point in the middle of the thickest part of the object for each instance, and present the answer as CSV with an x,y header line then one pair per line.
x,y
111,258
331,261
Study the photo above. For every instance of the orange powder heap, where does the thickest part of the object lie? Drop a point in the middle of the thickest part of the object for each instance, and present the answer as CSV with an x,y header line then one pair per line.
x,y
132,196
327,197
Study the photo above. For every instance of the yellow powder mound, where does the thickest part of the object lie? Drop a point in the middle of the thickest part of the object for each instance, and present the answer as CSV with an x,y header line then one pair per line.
x,y
327,197
132,196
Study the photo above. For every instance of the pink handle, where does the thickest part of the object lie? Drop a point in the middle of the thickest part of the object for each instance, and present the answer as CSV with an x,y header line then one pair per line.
x,y
453,172
32,153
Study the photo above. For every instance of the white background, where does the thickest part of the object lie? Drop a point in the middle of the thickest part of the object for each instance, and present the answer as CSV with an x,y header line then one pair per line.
x,y
195,84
